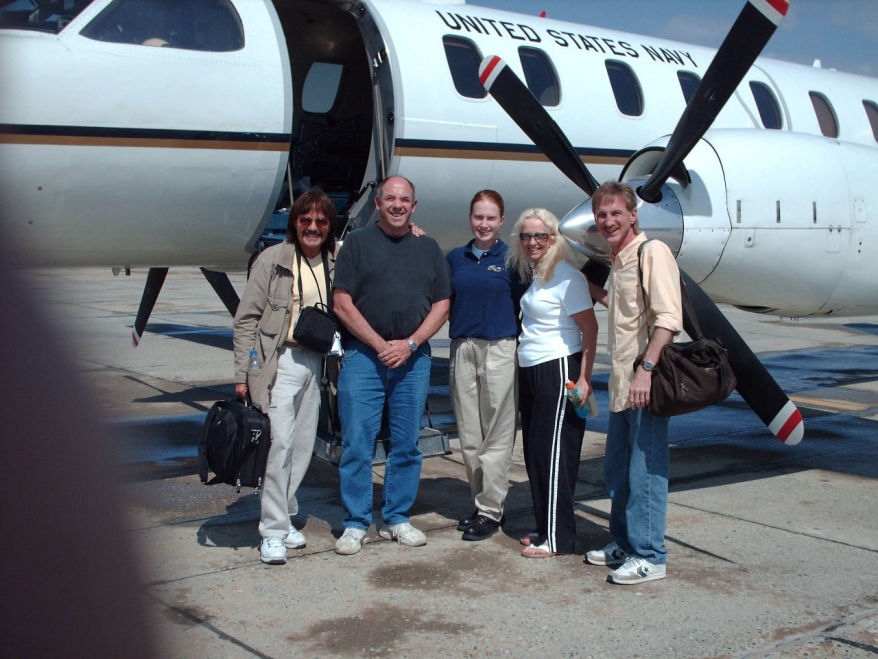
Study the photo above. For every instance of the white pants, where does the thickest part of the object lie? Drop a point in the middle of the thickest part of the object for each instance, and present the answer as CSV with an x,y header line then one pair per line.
x,y
293,412
483,392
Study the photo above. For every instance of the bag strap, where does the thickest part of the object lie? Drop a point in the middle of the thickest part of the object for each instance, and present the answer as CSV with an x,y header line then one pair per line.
x,y
688,309
332,401
325,274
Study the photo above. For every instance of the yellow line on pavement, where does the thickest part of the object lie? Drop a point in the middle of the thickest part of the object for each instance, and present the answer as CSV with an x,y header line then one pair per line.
x,y
828,404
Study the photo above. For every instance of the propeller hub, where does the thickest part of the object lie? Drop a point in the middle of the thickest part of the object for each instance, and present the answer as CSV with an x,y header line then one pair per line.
x,y
662,220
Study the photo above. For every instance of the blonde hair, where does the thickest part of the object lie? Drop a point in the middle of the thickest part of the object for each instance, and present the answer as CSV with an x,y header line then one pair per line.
x,y
556,249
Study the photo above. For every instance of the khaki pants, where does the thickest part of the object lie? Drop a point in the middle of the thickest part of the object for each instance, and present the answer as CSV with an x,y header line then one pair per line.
x,y
483,385
295,404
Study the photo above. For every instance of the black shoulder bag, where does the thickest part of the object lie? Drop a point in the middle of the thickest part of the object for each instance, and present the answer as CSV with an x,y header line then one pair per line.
x,y
689,375
315,329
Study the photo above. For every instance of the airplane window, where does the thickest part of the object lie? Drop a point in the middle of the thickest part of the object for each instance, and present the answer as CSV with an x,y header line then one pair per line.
x,y
42,15
872,113
688,84
626,89
769,110
211,25
321,87
825,114
463,60
540,76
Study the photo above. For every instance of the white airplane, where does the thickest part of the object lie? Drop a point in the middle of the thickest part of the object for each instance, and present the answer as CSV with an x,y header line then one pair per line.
x,y
160,133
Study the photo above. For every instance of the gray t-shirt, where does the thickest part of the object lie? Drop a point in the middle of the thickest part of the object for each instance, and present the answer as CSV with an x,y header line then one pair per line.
x,y
394,281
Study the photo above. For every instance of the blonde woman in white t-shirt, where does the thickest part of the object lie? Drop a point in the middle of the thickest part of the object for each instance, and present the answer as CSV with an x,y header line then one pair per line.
x,y
557,343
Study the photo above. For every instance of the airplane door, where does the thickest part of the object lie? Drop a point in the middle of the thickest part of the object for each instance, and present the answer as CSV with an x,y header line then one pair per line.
x,y
363,212
342,125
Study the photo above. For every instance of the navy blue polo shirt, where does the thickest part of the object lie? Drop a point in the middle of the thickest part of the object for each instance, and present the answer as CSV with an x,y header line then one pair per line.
x,y
485,295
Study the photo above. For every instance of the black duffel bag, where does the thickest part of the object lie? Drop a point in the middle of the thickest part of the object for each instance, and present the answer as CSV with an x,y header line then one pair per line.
x,y
234,444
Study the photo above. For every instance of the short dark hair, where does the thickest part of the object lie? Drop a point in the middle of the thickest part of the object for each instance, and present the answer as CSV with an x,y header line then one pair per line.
x,y
308,201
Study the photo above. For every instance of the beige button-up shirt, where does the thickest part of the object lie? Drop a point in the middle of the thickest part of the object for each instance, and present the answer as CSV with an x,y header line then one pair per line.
x,y
629,318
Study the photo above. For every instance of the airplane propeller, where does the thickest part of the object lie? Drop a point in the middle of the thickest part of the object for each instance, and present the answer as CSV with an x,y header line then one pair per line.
x,y
745,41
526,111
751,31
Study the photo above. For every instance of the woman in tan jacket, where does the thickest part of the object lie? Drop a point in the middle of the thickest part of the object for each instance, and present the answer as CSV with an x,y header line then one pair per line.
x,y
285,278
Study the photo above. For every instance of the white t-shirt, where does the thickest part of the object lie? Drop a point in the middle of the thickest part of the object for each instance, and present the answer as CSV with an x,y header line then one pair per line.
x,y
547,329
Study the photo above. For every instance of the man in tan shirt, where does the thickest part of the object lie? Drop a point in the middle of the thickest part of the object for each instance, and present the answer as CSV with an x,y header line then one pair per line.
x,y
636,462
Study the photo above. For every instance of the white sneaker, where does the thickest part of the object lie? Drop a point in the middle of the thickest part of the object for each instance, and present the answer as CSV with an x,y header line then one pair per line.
x,y
636,570
351,541
295,539
611,555
273,551
405,534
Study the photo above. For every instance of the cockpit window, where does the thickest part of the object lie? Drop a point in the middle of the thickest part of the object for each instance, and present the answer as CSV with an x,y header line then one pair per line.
x,y
42,15
211,25
464,59
540,76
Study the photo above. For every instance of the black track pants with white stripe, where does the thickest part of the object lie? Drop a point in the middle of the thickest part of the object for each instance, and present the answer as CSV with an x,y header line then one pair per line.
x,y
552,440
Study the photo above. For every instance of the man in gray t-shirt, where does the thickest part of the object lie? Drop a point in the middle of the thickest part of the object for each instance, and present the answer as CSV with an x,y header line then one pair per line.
x,y
391,291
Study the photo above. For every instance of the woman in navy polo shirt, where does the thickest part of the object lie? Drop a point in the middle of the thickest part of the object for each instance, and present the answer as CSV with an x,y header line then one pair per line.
x,y
483,329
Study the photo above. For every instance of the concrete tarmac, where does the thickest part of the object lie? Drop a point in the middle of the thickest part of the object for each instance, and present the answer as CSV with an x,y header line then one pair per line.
x,y
773,550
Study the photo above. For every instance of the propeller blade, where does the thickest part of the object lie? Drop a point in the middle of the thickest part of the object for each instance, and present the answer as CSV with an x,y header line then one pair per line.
x,y
755,384
748,36
597,272
521,106
154,280
220,283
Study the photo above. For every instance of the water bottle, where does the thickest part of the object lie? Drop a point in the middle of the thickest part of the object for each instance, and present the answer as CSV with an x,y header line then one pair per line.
x,y
591,405
253,364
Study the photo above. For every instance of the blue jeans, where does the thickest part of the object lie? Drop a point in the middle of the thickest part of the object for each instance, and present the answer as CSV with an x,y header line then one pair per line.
x,y
364,385
636,477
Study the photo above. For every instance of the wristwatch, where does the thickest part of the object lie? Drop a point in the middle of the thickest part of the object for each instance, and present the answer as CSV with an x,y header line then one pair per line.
x,y
412,345
647,365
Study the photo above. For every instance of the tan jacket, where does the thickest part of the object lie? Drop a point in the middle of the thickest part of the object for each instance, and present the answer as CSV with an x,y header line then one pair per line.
x,y
263,319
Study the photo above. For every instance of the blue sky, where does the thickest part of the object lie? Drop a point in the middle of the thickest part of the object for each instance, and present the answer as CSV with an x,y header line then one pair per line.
x,y
843,34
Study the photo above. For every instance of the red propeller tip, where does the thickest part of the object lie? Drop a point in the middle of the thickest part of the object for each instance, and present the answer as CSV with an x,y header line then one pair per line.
x,y
788,425
489,70
773,10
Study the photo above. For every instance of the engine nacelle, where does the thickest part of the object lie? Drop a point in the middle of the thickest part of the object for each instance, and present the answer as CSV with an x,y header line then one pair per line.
x,y
788,232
